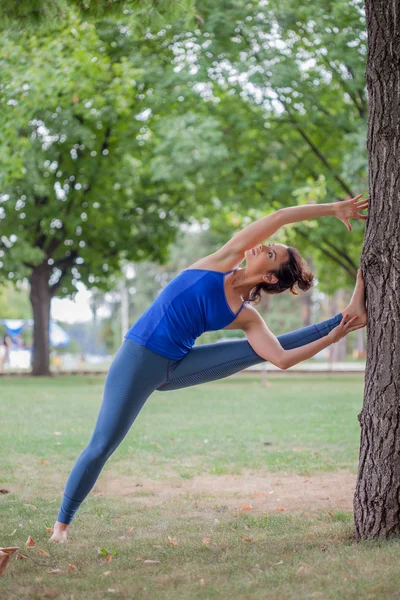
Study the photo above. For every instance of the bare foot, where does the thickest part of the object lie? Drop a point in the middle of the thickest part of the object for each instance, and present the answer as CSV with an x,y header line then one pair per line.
x,y
59,533
357,302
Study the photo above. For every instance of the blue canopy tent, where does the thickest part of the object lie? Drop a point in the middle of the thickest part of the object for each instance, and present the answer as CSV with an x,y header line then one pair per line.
x,y
59,338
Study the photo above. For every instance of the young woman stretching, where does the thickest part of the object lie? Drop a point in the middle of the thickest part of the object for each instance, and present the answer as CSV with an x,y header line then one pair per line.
x,y
213,293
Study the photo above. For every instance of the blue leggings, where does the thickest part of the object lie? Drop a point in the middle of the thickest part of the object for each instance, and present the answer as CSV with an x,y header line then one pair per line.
x,y
136,372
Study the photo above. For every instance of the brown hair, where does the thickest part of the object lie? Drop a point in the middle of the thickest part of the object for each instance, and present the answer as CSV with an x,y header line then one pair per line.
x,y
293,271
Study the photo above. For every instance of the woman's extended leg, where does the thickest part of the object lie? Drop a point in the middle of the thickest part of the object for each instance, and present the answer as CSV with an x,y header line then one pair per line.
x,y
134,374
215,361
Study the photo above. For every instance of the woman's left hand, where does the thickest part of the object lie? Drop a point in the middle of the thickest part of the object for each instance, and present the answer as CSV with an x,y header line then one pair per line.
x,y
348,209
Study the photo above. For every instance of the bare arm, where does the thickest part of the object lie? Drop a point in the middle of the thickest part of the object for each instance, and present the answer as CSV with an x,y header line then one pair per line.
x,y
231,254
266,345
257,232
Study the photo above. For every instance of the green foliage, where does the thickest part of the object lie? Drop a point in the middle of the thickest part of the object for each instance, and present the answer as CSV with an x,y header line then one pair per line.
x,y
80,187
37,13
287,83
14,302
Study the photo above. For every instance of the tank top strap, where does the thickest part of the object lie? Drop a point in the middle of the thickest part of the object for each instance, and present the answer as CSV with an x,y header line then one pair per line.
x,y
227,272
245,302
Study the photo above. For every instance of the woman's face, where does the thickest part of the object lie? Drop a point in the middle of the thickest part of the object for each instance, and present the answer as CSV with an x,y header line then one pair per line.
x,y
264,258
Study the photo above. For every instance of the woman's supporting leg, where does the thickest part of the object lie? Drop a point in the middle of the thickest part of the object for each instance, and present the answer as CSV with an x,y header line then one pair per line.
x,y
216,361
134,374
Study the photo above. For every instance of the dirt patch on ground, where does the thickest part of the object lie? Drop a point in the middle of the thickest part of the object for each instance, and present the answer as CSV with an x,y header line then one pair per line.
x,y
267,492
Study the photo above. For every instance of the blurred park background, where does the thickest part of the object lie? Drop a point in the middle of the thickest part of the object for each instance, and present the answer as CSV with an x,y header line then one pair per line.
x,y
136,137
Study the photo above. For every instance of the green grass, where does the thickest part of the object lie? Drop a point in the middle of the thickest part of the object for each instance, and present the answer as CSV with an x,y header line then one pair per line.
x,y
214,551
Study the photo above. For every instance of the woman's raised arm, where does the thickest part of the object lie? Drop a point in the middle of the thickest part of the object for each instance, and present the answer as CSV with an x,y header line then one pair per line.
x,y
260,230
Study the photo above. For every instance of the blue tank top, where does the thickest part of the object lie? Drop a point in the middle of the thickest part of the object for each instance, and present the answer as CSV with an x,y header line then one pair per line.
x,y
192,303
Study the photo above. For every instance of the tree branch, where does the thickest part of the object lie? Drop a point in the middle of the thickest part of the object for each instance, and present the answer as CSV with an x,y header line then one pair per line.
x,y
345,87
322,158
343,254
334,258
66,261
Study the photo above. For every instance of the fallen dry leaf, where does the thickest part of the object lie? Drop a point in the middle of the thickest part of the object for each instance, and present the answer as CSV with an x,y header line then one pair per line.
x,y
247,507
43,552
310,534
55,572
30,541
50,529
278,563
4,491
99,494
317,595
151,562
106,572
72,567
5,554
205,541
112,590
4,558
43,462
9,550
331,515
202,582
12,533
19,556
301,570
281,508
245,539
172,541
107,559
130,530
32,506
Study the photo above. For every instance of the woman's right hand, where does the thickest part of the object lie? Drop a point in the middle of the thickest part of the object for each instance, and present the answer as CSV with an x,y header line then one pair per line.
x,y
345,327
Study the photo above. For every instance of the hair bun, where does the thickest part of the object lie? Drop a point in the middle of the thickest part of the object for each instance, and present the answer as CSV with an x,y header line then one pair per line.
x,y
306,280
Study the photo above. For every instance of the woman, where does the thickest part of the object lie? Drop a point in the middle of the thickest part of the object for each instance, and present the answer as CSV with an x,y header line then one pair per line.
x,y
213,293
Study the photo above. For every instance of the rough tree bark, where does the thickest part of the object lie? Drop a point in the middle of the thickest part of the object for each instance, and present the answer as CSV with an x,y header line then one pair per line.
x,y
40,296
377,497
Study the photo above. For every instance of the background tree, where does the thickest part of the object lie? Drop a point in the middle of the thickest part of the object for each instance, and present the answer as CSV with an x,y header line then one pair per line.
x,y
78,191
377,499
287,83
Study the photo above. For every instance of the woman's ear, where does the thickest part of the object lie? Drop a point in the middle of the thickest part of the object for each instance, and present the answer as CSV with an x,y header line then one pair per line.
x,y
270,278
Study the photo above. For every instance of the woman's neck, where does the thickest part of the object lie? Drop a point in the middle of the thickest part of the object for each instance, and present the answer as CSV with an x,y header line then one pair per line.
x,y
241,283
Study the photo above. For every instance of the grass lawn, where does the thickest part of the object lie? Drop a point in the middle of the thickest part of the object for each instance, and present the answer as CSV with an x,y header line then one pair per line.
x,y
236,490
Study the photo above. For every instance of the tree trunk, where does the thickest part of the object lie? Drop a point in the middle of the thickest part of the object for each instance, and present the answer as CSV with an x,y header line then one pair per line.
x,y
40,296
377,497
